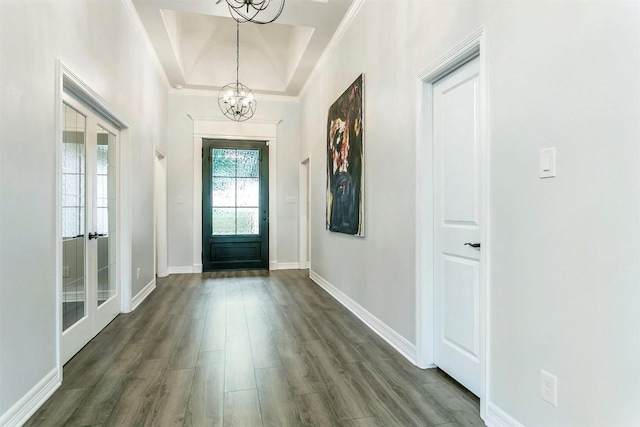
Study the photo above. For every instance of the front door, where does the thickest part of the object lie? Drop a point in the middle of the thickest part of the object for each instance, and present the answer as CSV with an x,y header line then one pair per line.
x,y
235,204
90,290
457,224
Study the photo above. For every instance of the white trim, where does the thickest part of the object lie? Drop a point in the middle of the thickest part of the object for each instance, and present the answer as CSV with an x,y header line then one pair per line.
x,y
395,340
143,294
185,269
304,214
287,266
24,408
337,36
453,58
223,128
471,47
496,417
69,82
160,254
213,93
146,41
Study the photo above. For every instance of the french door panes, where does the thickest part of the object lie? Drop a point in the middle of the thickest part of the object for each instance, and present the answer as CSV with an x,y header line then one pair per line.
x,y
88,198
105,214
235,191
73,217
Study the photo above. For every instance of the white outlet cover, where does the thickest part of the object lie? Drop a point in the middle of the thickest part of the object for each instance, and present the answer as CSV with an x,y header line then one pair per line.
x,y
549,387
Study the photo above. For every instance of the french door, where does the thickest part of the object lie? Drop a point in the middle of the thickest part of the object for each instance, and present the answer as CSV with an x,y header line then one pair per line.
x,y
235,204
88,187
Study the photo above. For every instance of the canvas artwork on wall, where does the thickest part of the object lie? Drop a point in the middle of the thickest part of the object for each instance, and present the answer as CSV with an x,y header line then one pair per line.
x,y
345,162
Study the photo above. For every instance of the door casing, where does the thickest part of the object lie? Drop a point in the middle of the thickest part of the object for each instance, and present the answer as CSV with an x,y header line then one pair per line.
x,y
68,81
223,128
473,46
304,216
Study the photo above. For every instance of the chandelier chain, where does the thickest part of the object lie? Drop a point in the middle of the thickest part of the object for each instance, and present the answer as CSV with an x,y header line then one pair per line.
x,y
236,100
237,52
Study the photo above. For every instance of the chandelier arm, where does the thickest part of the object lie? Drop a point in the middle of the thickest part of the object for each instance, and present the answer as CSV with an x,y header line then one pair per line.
x,y
240,16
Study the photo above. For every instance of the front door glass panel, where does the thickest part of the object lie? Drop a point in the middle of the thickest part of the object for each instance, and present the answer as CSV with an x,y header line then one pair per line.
x,y
235,191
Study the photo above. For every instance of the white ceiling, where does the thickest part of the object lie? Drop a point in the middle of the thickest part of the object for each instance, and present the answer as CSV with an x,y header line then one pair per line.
x,y
195,41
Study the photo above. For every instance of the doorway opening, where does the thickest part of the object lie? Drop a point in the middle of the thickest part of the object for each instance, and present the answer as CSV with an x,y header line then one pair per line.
x,y
235,204
452,217
160,207
304,232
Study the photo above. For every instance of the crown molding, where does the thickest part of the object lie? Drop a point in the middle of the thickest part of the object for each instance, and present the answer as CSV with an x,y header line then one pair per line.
x,y
146,41
214,94
337,36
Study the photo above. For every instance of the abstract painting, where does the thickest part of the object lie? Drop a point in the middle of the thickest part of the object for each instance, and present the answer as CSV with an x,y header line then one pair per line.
x,y
345,162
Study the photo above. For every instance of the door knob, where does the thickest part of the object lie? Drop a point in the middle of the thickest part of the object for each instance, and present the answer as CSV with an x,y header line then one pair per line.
x,y
473,245
93,236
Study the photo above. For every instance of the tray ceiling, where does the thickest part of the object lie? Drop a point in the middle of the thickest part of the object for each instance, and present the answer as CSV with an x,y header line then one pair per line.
x,y
195,41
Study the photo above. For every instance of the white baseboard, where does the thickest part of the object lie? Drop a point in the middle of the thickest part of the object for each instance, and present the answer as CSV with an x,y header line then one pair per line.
x,y
395,340
496,417
286,266
19,413
197,268
187,269
144,293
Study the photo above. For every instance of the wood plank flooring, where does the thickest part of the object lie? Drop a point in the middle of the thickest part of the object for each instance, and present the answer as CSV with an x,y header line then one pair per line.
x,y
247,349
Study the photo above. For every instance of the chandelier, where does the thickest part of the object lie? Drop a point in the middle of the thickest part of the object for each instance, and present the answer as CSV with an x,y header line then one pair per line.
x,y
248,10
236,100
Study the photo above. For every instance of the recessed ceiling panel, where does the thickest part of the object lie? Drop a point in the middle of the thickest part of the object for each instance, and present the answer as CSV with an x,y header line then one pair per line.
x,y
196,43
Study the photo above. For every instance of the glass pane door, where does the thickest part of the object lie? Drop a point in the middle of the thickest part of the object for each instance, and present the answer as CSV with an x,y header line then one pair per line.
x,y
235,204
90,293
74,293
105,214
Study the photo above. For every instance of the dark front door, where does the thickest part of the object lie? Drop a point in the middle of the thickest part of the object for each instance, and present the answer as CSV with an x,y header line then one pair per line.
x,y
235,204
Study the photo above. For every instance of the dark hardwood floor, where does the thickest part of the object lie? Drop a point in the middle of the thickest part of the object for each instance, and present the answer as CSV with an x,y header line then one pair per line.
x,y
247,349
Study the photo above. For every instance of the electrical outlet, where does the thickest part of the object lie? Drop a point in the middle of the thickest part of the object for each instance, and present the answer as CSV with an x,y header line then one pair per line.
x,y
549,387
65,271
138,273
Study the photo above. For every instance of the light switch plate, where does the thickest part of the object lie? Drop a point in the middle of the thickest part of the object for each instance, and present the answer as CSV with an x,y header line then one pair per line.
x,y
548,162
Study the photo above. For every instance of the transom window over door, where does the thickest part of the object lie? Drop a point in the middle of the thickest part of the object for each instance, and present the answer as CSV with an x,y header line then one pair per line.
x,y
235,204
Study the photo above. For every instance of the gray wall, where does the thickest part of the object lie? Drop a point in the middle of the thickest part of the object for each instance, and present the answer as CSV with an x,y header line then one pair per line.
x,y
180,166
564,273
98,41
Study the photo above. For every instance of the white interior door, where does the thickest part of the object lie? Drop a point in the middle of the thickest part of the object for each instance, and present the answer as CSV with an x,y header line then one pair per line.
x,y
89,182
457,224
